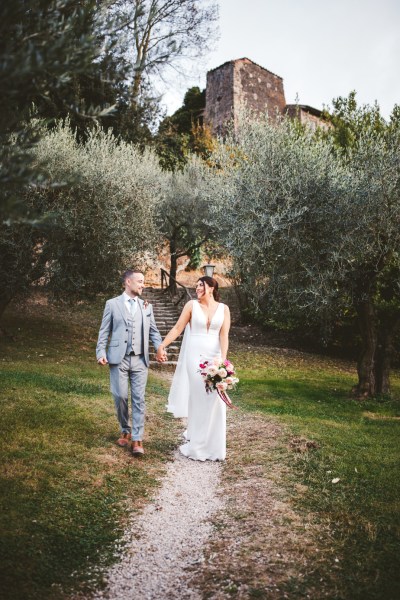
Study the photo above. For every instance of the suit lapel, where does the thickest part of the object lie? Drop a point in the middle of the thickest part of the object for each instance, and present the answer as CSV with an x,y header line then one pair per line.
x,y
140,303
146,320
121,306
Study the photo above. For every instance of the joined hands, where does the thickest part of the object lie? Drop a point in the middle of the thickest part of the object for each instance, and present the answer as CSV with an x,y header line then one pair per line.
x,y
161,355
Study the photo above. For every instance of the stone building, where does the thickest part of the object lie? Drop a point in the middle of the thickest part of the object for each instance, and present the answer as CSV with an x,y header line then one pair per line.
x,y
243,82
307,115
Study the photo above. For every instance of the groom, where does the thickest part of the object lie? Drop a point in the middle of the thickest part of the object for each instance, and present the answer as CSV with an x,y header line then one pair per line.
x,y
128,324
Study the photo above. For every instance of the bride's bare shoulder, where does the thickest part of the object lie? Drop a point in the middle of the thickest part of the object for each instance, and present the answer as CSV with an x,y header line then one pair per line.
x,y
227,313
188,306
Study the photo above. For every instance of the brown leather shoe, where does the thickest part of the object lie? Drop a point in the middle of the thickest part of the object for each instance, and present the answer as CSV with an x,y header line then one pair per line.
x,y
124,440
137,448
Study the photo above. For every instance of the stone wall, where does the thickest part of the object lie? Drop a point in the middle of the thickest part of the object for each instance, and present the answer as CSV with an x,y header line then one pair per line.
x,y
307,116
243,82
259,89
219,97
240,82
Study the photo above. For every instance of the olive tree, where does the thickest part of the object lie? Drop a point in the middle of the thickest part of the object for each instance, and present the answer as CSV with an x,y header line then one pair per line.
x,y
372,253
312,235
102,213
184,216
277,184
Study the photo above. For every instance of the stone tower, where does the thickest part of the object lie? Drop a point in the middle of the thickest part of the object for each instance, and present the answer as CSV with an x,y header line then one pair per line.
x,y
239,82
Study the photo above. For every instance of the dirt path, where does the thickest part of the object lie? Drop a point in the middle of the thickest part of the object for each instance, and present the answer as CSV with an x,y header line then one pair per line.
x,y
262,547
226,530
169,536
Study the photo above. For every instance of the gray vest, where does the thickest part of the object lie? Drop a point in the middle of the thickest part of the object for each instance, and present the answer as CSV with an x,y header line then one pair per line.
x,y
135,332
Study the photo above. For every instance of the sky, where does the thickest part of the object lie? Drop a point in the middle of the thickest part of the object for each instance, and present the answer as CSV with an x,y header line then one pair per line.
x,y
321,48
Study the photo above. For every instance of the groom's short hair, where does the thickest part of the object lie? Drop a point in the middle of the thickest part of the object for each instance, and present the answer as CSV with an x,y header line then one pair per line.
x,y
128,274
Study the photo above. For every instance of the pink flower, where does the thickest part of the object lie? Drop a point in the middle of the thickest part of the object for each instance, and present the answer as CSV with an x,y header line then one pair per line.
x,y
222,373
222,386
202,366
229,380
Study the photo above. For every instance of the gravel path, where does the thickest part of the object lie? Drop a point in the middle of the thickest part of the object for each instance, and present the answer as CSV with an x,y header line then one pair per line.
x,y
169,535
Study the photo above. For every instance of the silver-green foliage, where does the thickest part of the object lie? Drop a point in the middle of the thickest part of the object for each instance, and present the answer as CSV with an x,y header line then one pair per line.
x,y
105,212
315,233
303,226
283,196
184,215
100,199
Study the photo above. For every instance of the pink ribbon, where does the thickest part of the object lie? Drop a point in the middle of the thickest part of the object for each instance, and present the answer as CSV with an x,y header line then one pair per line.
x,y
226,399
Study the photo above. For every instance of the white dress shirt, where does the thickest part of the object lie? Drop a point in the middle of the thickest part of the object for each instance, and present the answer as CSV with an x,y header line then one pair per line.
x,y
127,300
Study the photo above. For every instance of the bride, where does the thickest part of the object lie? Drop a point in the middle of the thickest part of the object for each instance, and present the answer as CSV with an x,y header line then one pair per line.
x,y
206,322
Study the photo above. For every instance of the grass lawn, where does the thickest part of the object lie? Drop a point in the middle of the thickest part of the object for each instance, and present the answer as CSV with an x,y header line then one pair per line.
x,y
66,489
357,444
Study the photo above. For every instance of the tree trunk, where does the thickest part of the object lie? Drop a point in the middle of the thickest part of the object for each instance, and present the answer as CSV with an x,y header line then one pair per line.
x,y
382,364
384,354
137,80
4,302
366,386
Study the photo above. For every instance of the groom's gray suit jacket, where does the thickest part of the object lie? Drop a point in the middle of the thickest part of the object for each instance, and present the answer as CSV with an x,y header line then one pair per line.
x,y
113,335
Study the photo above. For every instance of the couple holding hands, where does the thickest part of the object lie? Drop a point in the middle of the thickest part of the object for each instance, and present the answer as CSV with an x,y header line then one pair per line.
x,y
127,327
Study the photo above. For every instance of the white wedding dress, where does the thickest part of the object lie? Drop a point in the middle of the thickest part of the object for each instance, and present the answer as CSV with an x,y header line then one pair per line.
x,y
206,412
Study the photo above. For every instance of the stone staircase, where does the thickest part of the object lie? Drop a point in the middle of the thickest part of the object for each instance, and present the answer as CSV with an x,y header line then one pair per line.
x,y
166,315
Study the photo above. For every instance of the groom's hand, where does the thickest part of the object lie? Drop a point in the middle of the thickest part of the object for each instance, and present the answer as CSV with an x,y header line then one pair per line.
x,y
102,361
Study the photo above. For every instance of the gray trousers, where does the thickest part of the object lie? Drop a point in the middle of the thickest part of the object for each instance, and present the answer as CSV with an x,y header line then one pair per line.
x,y
134,370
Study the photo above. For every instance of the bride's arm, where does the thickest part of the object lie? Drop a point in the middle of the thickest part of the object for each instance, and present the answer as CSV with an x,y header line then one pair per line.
x,y
224,333
177,328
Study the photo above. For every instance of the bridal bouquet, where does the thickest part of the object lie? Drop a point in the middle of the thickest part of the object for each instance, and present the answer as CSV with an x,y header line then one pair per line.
x,y
220,376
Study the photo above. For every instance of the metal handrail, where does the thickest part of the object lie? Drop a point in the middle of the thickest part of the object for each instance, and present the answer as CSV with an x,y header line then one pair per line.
x,y
167,278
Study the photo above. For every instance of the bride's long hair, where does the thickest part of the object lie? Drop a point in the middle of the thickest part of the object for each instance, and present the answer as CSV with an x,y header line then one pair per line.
x,y
212,283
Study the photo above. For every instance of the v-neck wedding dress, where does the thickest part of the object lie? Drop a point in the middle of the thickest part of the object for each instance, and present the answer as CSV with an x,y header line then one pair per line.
x,y
206,412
